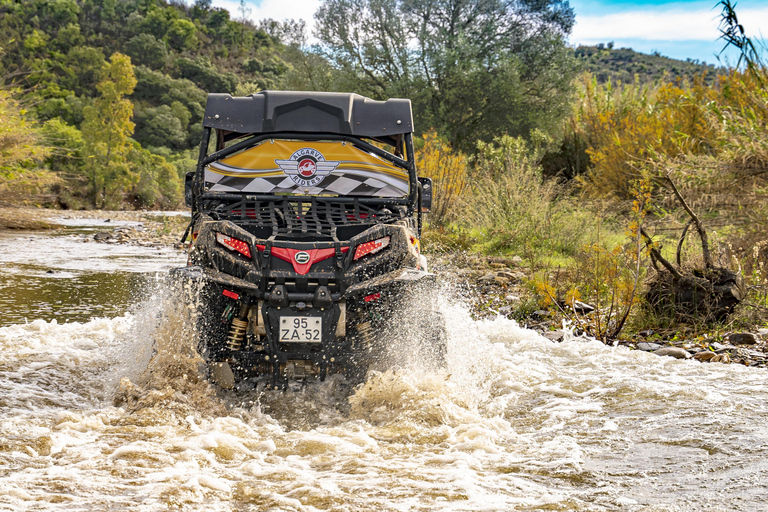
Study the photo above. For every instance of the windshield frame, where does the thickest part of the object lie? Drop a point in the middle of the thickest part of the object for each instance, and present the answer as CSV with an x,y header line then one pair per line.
x,y
200,194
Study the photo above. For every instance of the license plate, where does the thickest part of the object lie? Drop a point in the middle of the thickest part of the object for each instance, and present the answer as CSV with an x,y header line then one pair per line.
x,y
301,329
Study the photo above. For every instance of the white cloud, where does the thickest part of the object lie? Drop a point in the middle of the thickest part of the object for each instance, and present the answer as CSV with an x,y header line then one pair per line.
x,y
667,25
279,10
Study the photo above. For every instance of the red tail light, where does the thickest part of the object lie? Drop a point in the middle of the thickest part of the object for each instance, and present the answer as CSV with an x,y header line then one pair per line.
x,y
371,247
234,244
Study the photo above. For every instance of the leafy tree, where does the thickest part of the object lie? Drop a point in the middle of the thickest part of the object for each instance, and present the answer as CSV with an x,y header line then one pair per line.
x,y
157,89
69,36
20,139
181,35
157,182
67,145
474,68
86,64
160,127
145,49
205,75
106,129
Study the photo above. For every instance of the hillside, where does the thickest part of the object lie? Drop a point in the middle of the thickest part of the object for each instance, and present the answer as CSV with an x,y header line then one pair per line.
x,y
624,64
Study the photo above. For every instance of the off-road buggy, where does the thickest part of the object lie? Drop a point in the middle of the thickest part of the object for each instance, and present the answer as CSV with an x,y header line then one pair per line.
x,y
306,218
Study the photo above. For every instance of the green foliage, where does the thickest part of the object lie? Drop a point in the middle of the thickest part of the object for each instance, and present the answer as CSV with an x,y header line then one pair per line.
x,y
21,142
515,208
146,50
158,182
624,65
106,129
67,147
204,74
160,127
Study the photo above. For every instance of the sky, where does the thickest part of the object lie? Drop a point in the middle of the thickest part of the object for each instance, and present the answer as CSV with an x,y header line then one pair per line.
x,y
681,30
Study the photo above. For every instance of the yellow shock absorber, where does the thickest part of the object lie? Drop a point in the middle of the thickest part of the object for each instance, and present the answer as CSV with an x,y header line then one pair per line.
x,y
237,329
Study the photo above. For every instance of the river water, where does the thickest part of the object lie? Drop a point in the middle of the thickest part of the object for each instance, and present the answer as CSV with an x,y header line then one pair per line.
x,y
102,407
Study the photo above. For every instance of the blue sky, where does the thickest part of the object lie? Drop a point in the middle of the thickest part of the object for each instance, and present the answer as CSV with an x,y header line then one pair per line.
x,y
683,29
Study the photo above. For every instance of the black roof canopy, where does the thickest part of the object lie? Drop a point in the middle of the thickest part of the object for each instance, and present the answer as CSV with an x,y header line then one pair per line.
x,y
313,112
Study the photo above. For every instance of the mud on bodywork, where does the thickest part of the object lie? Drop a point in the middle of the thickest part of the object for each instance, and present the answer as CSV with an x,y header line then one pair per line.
x,y
300,278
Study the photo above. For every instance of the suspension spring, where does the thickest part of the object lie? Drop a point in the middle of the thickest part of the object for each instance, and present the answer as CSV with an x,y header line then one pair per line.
x,y
365,332
236,334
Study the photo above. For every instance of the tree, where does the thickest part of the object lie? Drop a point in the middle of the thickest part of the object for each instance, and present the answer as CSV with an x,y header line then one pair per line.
x,y
106,129
147,50
20,138
473,68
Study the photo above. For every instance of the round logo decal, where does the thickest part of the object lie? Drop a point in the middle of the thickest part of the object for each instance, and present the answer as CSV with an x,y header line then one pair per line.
x,y
301,257
307,167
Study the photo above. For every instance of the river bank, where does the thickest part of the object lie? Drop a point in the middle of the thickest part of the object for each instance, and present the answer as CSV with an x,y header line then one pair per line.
x,y
489,286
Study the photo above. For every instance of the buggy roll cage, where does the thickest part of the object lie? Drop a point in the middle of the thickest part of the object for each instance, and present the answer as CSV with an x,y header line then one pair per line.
x,y
308,116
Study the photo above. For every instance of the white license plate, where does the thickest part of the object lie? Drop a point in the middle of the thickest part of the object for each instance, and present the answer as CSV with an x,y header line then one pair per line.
x,y
301,329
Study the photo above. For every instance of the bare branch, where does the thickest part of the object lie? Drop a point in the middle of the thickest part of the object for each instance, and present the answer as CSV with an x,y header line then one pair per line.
x,y
699,226
658,257
680,242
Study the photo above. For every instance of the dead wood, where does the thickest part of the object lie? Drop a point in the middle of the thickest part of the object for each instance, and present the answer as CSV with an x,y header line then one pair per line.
x,y
689,294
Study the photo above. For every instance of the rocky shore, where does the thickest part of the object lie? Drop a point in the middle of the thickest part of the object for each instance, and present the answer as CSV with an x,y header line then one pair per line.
x,y
497,287
151,228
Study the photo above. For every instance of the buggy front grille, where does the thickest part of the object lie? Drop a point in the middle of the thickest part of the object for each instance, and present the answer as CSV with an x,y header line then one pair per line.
x,y
301,216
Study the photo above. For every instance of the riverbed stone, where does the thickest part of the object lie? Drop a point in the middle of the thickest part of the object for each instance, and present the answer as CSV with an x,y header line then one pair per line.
x,y
704,355
511,298
554,335
676,352
487,278
742,338
101,236
648,347
721,358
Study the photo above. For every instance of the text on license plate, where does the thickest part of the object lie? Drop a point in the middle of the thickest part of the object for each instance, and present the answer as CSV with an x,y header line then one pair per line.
x,y
301,329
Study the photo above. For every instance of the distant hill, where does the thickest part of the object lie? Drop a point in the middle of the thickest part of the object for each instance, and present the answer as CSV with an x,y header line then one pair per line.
x,y
624,64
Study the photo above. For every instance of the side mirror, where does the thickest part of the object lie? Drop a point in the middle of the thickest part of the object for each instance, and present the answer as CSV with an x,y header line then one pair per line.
x,y
190,176
426,194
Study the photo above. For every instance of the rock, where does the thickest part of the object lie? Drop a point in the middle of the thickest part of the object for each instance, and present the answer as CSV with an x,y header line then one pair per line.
x,y
517,260
501,280
676,352
505,310
487,278
645,334
498,265
578,307
511,298
742,338
721,358
554,335
717,347
648,347
102,236
704,355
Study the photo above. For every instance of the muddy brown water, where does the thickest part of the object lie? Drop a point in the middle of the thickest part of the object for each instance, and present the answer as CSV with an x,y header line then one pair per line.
x,y
102,406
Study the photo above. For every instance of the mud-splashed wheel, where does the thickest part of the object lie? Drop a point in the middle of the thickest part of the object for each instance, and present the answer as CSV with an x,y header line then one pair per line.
x,y
212,336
